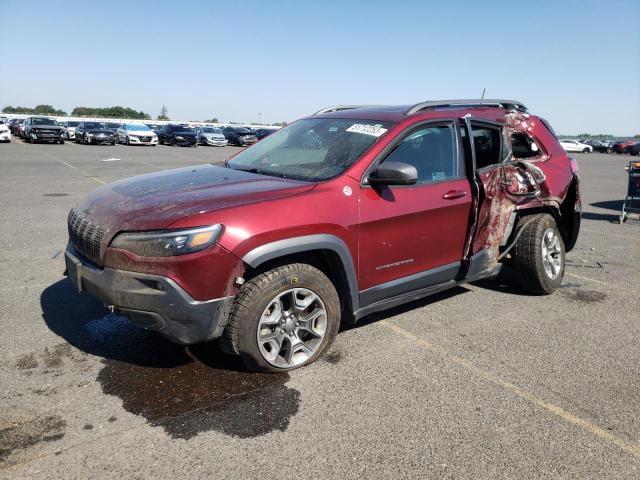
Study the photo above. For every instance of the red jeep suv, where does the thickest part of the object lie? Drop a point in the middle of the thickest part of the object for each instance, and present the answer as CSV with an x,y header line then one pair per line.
x,y
350,211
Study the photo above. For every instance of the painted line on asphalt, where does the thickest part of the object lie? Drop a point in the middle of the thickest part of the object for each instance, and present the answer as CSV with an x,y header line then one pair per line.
x,y
85,174
519,392
616,235
586,278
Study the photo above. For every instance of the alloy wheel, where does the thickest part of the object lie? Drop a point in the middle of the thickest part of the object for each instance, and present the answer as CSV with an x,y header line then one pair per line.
x,y
292,328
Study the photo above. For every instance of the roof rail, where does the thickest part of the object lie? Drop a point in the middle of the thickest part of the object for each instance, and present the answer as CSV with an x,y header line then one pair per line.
x,y
506,104
338,108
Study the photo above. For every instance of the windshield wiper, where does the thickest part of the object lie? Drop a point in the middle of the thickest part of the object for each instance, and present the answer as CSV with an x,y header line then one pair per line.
x,y
258,171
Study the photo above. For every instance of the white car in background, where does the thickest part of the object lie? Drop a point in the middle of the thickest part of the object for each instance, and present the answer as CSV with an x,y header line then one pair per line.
x,y
5,133
211,136
575,146
136,134
70,129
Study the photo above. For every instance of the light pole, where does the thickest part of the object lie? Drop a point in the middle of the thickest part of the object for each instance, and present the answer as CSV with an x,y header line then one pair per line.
x,y
260,118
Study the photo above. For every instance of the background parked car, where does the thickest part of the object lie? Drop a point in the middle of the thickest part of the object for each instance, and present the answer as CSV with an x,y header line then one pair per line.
x,y
136,134
618,147
94,132
42,129
633,149
211,136
575,146
239,136
263,132
5,133
16,126
598,146
113,126
177,135
70,129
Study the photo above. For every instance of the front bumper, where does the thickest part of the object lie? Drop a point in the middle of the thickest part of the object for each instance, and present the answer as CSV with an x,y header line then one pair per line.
x,y
216,143
143,140
185,141
152,302
101,138
46,136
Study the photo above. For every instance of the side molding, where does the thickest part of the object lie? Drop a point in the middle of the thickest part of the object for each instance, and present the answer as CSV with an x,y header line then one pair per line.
x,y
324,241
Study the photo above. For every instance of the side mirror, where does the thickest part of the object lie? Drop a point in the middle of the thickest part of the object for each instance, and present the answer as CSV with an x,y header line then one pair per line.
x,y
393,173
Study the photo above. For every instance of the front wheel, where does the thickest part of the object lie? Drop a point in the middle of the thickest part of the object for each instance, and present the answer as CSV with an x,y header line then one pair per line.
x,y
284,318
539,256
586,150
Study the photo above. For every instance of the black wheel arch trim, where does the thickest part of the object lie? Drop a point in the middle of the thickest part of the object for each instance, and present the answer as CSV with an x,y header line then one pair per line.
x,y
307,243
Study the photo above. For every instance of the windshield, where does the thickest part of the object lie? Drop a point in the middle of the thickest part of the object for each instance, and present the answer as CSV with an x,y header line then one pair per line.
x,y
211,130
72,124
113,125
89,125
138,128
178,128
43,121
313,149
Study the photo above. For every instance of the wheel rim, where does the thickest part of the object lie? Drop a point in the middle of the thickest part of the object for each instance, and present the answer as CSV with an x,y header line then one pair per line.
x,y
292,328
551,253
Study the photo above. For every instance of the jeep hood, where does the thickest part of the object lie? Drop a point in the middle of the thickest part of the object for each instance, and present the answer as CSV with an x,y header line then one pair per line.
x,y
154,201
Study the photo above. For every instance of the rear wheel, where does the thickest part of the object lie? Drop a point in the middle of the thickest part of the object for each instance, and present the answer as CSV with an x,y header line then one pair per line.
x,y
539,256
284,318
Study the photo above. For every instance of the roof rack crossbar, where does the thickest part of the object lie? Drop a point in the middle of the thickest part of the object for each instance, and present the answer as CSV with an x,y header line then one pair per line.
x,y
506,104
338,108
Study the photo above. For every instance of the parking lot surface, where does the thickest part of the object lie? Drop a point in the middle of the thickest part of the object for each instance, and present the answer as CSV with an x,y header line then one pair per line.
x,y
477,382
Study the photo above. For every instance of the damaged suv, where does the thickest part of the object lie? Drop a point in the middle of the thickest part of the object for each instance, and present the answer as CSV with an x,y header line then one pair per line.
x,y
272,250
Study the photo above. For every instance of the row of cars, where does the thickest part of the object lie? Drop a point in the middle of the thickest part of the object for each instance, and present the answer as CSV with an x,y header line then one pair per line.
x,y
631,147
42,129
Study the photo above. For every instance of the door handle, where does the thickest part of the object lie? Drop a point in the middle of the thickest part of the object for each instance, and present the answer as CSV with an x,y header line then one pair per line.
x,y
452,194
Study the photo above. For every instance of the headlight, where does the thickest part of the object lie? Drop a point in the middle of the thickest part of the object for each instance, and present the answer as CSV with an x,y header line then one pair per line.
x,y
168,243
179,137
89,134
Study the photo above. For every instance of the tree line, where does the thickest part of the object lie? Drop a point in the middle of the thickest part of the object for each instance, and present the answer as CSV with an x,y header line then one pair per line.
x,y
37,110
106,112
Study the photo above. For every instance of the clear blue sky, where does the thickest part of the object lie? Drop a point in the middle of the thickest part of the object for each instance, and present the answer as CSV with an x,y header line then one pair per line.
x,y
575,62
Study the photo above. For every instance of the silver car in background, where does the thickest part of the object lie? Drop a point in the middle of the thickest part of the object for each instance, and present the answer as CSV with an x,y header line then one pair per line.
x,y
70,129
211,136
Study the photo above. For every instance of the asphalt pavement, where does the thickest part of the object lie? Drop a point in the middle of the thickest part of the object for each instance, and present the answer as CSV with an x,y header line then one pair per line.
x,y
481,381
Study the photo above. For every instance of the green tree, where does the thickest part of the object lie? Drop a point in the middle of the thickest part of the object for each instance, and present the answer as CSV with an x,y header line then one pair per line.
x,y
163,113
110,112
212,120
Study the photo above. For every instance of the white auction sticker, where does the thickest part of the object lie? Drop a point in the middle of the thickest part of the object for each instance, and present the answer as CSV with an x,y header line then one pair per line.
x,y
373,130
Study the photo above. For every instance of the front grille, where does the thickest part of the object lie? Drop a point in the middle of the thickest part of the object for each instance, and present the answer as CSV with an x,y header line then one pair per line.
x,y
144,139
85,235
46,132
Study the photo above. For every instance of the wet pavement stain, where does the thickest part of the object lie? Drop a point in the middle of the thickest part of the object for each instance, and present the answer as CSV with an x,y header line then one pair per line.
x,y
184,390
583,296
27,362
20,430
205,390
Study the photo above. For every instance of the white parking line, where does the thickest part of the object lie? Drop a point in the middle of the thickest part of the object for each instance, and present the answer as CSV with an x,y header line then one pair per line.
x,y
556,410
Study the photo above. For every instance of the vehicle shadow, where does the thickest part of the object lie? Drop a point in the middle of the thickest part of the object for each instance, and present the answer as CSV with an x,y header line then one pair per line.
x,y
87,325
608,205
607,217
505,282
186,390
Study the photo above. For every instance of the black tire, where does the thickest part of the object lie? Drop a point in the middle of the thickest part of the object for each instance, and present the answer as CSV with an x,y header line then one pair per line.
x,y
62,141
586,150
528,258
254,297
127,141
172,142
113,144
